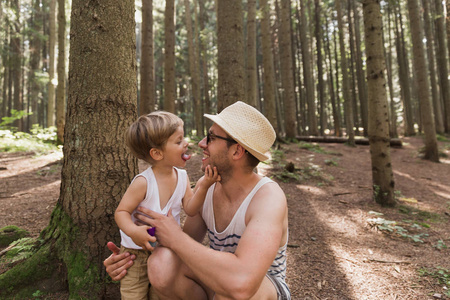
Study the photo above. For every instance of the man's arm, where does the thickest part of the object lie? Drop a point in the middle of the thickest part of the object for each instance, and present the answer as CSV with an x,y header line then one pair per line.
x,y
237,275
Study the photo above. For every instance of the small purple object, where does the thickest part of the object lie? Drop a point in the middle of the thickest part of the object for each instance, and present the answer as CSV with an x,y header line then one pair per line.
x,y
151,231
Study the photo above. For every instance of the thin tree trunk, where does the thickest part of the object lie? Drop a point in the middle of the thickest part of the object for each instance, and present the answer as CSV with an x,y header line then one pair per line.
x,y
345,83
16,63
382,175
269,70
336,115
308,75
61,90
230,47
423,86
436,97
442,62
35,58
252,82
193,70
321,84
352,62
204,60
388,54
404,78
169,57
147,94
362,88
51,65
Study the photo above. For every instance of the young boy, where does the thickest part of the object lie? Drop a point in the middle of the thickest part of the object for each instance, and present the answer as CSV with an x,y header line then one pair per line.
x,y
158,139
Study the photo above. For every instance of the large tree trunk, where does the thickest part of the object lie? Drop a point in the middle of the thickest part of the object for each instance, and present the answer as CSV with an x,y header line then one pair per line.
x,y
422,83
436,97
287,78
97,167
382,176
169,57
61,90
51,65
230,50
194,70
147,85
443,62
345,84
270,110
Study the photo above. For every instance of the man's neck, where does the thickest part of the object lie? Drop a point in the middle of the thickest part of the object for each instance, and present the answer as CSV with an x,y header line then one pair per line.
x,y
238,186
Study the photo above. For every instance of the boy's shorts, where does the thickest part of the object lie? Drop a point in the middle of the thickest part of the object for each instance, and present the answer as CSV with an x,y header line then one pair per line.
x,y
281,287
135,285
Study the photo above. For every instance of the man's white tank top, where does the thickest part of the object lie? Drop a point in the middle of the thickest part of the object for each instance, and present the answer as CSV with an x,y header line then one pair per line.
x,y
228,239
151,200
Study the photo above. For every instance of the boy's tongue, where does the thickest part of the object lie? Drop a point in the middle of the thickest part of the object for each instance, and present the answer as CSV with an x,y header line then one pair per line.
x,y
185,156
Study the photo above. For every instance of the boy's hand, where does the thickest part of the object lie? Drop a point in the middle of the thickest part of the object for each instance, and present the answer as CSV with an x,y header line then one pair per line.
x,y
141,237
211,176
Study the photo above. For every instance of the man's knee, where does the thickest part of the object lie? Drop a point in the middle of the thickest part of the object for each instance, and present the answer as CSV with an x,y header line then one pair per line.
x,y
162,268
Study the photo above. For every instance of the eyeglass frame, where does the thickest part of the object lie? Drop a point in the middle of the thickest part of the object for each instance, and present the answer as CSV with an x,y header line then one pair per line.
x,y
210,134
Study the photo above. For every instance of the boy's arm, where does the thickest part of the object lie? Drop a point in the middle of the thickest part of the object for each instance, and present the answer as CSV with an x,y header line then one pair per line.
x,y
193,204
130,200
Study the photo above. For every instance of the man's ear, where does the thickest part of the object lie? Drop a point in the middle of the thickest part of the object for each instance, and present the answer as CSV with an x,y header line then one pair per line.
x,y
239,152
156,154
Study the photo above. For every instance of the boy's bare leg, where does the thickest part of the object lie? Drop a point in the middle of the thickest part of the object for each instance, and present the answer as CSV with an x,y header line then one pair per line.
x,y
170,278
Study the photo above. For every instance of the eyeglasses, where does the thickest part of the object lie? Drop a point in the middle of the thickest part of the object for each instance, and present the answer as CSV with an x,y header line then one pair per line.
x,y
210,135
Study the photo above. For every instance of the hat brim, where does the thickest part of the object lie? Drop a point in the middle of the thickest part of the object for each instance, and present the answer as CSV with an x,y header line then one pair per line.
x,y
235,136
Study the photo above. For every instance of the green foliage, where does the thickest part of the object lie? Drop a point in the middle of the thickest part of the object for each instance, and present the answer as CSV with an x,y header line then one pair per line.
x,y
393,227
441,274
440,245
442,138
15,115
11,233
21,250
331,162
420,214
40,141
311,147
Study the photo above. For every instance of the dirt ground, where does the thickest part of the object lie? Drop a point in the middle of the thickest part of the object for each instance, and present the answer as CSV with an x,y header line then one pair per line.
x,y
336,249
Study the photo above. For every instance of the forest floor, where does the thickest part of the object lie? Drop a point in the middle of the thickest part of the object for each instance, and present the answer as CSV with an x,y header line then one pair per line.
x,y
342,245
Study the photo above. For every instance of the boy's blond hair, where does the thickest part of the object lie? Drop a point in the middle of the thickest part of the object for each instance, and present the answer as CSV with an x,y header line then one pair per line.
x,y
151,131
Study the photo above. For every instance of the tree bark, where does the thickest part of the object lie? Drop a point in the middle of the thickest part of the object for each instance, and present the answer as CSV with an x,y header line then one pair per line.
x,y
97,167
147,102
382,175
61,70
169,57
422,83
230,47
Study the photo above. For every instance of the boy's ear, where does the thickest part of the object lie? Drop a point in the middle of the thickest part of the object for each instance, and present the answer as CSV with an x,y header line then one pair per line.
x,y
156,154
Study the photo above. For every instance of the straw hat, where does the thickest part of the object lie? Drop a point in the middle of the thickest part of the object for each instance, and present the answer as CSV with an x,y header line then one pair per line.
x,y
247,126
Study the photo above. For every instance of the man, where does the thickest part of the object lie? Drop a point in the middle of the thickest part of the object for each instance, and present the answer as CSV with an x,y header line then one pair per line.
x,y
245,216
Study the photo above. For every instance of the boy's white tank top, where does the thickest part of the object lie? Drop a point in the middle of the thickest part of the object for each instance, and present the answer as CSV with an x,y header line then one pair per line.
x,y
151,200
228,239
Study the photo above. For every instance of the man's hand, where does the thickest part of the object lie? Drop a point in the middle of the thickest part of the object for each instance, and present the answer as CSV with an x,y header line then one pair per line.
x,y
166,227
117,264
